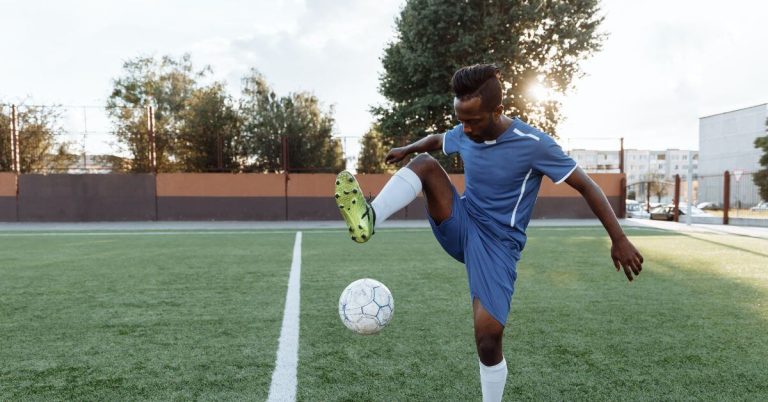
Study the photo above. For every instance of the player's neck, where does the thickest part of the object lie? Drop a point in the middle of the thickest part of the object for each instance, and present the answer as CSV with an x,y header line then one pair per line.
x,y
501,127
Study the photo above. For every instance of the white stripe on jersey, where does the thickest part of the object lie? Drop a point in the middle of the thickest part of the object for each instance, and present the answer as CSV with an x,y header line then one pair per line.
x,y
519,198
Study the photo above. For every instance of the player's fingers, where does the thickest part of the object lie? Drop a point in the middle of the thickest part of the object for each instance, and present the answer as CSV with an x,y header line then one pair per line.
x,y
628,272
634,266
615,263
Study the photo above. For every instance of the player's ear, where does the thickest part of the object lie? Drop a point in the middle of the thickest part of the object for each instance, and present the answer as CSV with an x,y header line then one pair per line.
x,y
498,111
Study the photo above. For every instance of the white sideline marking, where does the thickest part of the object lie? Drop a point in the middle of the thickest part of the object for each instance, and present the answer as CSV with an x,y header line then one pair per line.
x,y
191,232
283,387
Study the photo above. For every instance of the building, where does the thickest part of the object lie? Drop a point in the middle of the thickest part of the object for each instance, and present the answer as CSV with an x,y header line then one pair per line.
x,y
641,166
727,143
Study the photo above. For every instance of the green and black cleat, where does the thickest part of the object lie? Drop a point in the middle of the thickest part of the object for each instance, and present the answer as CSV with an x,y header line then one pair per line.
x,y
355,210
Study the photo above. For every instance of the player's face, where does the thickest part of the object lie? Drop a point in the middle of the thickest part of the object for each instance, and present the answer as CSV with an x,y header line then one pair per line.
x,y
477,122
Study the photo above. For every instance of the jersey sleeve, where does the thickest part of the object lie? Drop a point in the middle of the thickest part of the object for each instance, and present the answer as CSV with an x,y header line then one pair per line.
x,y
552,161
451,140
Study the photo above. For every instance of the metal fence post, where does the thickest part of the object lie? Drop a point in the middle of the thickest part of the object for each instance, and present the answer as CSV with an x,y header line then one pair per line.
x,y
151,137
726,195
677,198
15,162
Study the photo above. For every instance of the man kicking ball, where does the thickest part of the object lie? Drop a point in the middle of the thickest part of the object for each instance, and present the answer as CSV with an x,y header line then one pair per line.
x,y
504,162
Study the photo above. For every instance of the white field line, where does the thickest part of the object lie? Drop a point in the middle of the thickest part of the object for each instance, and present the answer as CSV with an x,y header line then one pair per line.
x,y
283,387
187,232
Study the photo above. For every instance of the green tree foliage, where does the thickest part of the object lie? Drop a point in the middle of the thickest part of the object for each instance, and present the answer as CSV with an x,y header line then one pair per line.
x,y
167,85
531,41
372,154
40,150
298,117
209,136
761,176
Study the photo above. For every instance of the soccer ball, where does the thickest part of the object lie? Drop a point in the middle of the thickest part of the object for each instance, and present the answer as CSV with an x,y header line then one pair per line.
x,y
366,306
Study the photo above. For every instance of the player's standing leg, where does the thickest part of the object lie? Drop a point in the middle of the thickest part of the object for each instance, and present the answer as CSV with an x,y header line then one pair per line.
x,y
493,366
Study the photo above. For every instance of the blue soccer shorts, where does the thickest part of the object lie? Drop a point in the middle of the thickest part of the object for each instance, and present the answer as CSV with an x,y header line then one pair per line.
x,y
486,249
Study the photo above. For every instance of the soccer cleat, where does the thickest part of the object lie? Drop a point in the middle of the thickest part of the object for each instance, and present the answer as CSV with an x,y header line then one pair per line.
x,y
355,210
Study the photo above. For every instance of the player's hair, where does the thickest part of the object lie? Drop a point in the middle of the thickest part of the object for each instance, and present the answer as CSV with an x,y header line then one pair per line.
x,y
483,80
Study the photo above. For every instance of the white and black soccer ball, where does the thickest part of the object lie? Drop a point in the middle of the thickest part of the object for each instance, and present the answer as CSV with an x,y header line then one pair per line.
x,y
366,306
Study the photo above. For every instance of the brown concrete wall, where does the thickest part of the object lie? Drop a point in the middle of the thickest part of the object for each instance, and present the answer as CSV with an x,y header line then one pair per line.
x,y
83,198
224,196
8,197
561,201
220,196
220,185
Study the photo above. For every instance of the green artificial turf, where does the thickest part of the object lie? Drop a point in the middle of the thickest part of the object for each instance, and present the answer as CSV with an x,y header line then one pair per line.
x,y
184,316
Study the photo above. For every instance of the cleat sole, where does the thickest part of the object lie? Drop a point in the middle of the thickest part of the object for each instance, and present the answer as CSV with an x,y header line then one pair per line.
x,y
353,207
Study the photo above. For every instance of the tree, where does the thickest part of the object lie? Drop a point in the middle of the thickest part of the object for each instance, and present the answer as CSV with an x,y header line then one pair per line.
x,y
760,178
167,85
533,42
40,150
297,117
209,135
372,153
658,186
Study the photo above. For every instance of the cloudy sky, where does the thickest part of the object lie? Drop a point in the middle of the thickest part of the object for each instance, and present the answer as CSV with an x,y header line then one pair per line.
x,y
664,64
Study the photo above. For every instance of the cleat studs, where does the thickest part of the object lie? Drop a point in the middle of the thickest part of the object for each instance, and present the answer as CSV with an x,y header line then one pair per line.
x,y
359,226
351,180
337,195
354,190
341,207
346,193
353,201
351,230
363,236
337,182
354,238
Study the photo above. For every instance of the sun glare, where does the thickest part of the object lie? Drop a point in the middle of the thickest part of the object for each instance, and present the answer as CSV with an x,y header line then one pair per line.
x,y
540,92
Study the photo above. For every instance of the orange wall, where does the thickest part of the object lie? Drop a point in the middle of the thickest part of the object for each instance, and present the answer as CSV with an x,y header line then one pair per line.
x,y
308,185
321,185
220,185
7,184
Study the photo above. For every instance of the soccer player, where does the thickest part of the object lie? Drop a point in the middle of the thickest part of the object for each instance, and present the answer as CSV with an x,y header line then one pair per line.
x,y
504,162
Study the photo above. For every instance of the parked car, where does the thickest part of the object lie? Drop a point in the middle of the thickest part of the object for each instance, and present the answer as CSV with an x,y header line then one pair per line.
x,y
761,206
667,212
709,206
662,213
636,210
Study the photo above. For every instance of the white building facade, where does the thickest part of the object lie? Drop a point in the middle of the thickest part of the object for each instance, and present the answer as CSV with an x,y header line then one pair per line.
x,y
727,142
639,164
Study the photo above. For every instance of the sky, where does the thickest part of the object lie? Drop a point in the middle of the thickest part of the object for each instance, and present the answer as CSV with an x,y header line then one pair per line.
x,y
663,65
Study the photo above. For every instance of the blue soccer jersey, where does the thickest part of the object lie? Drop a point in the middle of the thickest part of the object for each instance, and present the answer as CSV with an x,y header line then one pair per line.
x,y
502,177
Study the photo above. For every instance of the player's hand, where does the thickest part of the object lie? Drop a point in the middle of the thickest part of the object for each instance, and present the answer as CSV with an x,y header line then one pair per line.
x,y
396,155
626,256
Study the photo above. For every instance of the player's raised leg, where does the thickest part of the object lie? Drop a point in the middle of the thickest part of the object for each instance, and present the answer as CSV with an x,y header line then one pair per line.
x,y
436,185
493,366
422,173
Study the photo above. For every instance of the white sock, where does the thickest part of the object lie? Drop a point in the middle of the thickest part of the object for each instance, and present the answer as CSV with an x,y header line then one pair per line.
x,y
399,191
492,381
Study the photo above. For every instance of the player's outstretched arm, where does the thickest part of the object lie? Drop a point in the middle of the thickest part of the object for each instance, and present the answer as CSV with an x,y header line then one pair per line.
x,y
429,143
623,253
